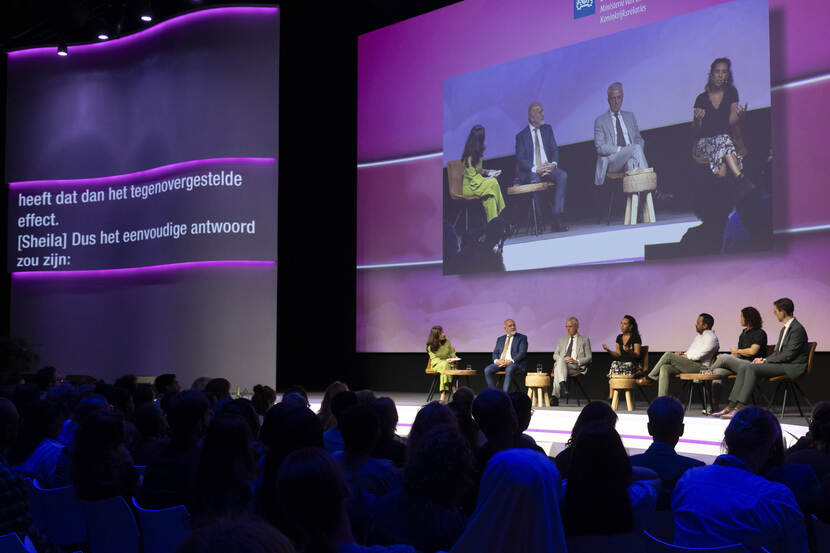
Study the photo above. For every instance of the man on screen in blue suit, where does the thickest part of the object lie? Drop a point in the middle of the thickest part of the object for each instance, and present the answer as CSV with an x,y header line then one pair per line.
x,y
537,160
510,356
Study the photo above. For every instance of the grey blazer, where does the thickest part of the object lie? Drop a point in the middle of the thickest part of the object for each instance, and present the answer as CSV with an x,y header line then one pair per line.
x,y
794,351
605,142
581,350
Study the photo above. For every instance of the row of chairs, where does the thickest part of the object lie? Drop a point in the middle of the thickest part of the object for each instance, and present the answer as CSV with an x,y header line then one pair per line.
x,y
107,525
784,384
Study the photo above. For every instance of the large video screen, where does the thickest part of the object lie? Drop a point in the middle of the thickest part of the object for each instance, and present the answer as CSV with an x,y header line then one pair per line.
x,y
426,255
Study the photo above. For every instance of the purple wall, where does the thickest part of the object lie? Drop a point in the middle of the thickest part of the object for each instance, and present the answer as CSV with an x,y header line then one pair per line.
x,y
200,86
400,76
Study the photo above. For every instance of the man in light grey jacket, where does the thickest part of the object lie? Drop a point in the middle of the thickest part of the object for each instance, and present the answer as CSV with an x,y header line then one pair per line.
x,y
617,138
572,355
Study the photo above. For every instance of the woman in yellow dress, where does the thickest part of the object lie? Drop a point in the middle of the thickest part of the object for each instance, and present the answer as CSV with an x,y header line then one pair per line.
x,y
477,181
439,350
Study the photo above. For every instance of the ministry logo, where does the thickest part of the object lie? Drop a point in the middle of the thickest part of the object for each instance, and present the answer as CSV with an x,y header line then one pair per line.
x,y
583,8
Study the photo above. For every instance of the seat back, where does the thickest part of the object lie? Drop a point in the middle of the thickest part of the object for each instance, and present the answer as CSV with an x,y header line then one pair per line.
x,y
654,545
163,530
819,534
455,174
55,512
110,525
10,543
644,355
810,357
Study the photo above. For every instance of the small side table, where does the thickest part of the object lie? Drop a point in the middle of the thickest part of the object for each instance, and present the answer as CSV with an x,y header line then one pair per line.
x,y
458,374
537,389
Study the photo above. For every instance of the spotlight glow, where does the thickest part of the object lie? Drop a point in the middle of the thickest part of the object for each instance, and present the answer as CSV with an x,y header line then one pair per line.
x,y
146,18
103,36
63,50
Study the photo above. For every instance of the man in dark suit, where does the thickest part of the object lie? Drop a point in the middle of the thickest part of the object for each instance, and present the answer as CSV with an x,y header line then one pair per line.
x,y
789,358
665,425
510,356
537,160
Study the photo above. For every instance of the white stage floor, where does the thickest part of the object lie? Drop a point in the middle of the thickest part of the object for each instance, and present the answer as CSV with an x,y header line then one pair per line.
x,y
551,427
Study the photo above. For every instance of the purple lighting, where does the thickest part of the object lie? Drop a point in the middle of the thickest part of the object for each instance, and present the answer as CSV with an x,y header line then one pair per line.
x,y
148,174
132,271
152,33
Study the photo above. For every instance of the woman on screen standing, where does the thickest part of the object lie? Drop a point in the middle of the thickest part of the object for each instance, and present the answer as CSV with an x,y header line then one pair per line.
x,y
477,181
439,350
752,343
716,117
627,355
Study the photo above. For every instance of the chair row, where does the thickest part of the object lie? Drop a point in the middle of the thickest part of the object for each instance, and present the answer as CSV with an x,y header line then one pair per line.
x,y
107,525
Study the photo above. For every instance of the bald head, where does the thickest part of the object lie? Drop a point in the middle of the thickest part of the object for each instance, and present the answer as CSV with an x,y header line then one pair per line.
x,y
9,420
510,327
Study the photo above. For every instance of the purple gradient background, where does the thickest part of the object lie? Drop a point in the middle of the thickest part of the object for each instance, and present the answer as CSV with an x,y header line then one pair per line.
x,y
400,74
661,75
202,86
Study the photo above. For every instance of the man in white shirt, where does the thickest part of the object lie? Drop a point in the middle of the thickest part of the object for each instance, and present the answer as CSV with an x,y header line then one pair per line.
x,y
617,138
699,355
572,355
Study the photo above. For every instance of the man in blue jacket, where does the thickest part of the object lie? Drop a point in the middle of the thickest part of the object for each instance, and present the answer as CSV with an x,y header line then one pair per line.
x,y
510,356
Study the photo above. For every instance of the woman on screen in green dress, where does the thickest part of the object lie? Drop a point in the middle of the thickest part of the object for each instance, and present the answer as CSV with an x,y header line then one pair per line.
x,y
439,350
477,181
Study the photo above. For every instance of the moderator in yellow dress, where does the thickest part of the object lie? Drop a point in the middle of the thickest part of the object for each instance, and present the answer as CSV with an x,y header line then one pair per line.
x,y
486,188
438,362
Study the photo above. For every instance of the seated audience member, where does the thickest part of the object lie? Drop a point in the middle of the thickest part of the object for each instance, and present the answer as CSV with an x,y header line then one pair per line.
x,y
243,407
601,469
332,438
428,417
524,412
814,448
122,402
518,506
327,418
572,355
143,394
264,397
426,512
86,405
218,391
295,392
751,343
286,428
496,417
128,382
166,384
617,138
14,514
510,356
237,534
101,465
169,478
200,383
47,378
389,445
361,430
593,412
462,407
729,502
37,450
226,470
698,356
152,428
800,479
537,160
789,358
665,425
311,509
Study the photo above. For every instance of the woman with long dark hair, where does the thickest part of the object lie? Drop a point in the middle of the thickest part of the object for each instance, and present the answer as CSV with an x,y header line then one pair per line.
x,y
752,343
717,113
440,350
627,355
478,181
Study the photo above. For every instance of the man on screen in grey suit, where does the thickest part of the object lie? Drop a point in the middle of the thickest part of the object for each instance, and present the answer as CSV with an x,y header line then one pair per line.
x,y
617,138
572,355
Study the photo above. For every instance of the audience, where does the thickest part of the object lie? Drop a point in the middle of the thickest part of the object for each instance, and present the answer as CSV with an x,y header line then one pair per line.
x,y
728,501
152,429
518,506
600,468
264,397
165,384
462,407
814,448
496,417
37,449
218,391
325,413
101,465
389,445
593,412
236,534
665,425
332,438
524,412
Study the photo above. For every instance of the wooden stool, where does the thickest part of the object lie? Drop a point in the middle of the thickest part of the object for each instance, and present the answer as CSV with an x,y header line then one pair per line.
x,y
457,374
529,189
634,183
700,382
626,383
538,383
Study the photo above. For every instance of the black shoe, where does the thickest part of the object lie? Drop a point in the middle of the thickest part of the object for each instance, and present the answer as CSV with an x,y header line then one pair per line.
x,y
554,401
563,388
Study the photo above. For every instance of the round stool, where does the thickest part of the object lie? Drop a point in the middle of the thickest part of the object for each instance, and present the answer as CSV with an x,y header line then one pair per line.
x,y
619,383
538,383
634,183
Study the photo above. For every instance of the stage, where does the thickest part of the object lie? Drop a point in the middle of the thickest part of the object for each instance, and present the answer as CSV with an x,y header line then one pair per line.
x,y
551,426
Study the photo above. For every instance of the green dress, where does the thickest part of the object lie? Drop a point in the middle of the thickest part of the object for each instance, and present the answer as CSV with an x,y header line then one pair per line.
x,y
438,362
486,188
